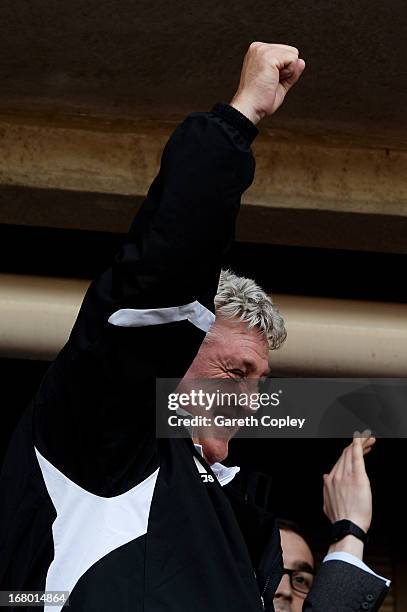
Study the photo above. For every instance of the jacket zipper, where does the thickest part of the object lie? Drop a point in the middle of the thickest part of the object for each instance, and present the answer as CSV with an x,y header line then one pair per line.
x,y
266,586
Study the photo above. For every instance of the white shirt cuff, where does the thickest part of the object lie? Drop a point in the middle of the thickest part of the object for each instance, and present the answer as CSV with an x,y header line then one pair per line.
x,y
348,558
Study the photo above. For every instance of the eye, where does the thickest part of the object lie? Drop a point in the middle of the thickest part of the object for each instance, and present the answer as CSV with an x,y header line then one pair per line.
x,y
238,375
303,579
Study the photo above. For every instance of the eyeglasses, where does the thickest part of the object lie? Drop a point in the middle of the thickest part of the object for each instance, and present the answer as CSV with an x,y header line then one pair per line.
x,y
300,580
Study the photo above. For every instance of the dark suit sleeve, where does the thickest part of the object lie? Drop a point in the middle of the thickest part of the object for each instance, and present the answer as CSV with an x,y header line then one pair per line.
x,y
99,394
343,587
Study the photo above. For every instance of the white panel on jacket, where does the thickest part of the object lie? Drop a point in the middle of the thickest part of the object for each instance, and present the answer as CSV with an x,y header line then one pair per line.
x,y
194,312
88,527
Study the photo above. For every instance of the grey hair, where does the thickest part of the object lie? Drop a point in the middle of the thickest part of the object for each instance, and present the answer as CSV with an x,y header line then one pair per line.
x,y
242,298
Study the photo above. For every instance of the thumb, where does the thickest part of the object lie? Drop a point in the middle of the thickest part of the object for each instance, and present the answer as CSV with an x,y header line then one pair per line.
x,y
290,75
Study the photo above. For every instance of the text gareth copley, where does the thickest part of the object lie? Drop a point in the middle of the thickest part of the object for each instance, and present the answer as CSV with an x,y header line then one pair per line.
x,y
221,420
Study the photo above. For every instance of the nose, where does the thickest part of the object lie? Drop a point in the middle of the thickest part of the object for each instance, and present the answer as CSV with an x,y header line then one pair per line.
x,y
284,589
248,390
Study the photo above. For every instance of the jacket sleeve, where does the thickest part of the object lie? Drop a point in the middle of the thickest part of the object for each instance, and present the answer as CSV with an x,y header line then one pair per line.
x,y
343,587
146,316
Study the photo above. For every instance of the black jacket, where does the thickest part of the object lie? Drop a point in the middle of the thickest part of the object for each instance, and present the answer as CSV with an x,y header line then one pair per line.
x,y
92,502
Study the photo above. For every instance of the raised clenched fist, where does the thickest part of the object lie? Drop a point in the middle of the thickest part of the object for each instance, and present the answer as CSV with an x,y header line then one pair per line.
x,y
268,72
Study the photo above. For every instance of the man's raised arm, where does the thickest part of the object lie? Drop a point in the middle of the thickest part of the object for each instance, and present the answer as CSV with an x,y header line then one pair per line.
x,y
173,252
146,316
188,219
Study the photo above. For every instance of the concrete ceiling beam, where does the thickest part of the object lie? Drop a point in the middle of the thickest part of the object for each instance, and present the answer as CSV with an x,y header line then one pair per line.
x,y
295,170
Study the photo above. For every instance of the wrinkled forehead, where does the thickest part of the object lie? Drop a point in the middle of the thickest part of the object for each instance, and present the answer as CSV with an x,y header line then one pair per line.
x,y
251,355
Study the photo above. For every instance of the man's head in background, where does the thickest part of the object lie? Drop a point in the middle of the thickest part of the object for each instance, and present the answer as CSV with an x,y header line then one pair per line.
x,y
300,565
235,351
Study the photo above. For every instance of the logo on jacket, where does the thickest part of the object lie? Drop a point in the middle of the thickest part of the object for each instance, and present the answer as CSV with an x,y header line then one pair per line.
x,y
205,477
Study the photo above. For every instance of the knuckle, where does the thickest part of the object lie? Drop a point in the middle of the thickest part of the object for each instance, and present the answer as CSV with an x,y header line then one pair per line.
x,y
290,49
254,44
286,49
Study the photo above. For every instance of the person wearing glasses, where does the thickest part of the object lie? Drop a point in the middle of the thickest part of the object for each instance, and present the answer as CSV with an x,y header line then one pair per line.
x,y
299,569
344,583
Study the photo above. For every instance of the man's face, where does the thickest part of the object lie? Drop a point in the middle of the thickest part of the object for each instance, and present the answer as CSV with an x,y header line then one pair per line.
x,y
298,556
238,356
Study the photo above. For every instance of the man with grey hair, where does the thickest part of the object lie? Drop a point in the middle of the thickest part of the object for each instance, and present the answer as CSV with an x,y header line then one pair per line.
x,y
241,298
235,352
93,502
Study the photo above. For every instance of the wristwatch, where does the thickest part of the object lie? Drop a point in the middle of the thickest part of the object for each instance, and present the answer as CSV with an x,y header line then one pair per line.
x,y
342,528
